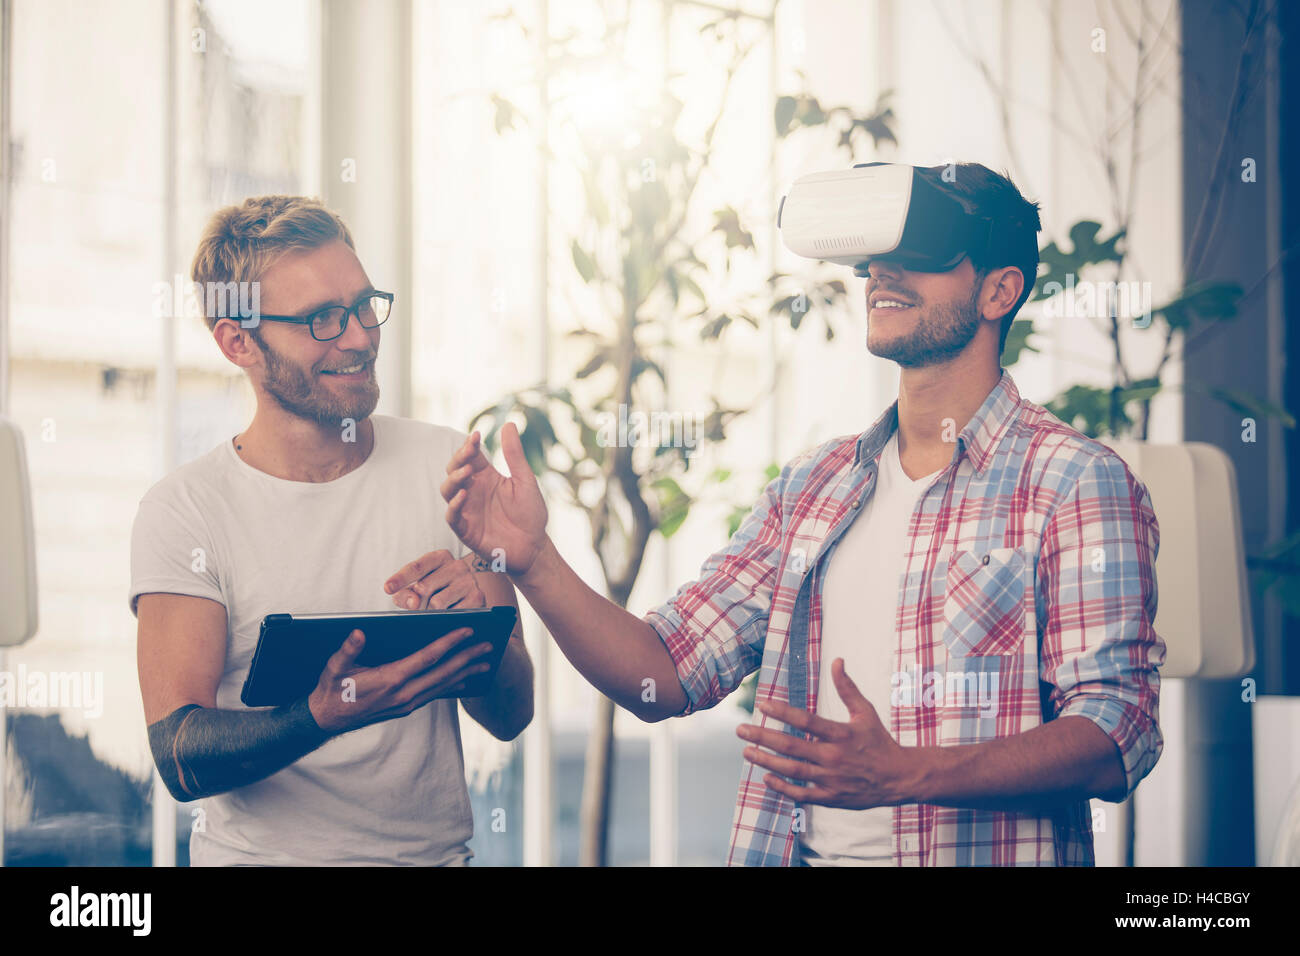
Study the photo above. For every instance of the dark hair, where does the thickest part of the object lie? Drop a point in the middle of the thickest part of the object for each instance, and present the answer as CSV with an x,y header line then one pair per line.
x,y
983,192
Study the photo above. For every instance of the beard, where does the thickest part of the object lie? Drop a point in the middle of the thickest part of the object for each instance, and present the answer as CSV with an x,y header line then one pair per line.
x,y
304,394
941,332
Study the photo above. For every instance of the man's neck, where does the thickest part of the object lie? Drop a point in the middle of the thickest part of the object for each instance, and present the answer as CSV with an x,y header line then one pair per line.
x,y
934,404
289,447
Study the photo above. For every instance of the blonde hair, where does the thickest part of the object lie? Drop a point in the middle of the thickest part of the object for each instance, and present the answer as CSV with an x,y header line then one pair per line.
x,y
241,242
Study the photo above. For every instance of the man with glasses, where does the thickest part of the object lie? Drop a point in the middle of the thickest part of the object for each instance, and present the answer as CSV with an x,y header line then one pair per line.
x,y
317,506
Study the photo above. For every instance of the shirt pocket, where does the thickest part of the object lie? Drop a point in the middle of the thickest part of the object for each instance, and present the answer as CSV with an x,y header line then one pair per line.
x,y
984,602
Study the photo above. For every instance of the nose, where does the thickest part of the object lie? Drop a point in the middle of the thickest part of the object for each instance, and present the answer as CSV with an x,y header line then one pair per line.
x,y
356,337
874,268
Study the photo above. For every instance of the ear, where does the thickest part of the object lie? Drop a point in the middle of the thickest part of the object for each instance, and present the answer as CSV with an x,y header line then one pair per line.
x,y
236,343
1002,287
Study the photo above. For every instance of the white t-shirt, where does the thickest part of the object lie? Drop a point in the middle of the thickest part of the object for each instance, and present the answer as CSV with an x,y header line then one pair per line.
x,y
392,792
859,624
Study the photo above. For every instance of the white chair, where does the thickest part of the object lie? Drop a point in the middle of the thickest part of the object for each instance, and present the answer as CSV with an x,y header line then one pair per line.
x,y
1203,613
17,542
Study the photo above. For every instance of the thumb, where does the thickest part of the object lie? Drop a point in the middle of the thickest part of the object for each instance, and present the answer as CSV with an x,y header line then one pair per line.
x,y
343,659
516,460
848,691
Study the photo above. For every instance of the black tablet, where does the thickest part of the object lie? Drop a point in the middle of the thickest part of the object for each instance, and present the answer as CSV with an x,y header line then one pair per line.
x,y
292,648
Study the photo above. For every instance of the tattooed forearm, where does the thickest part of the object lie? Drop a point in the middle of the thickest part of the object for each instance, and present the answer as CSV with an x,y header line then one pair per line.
x,y
204,750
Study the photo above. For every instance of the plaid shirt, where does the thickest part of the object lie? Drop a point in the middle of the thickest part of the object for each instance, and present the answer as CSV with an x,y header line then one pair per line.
x,y
1029,566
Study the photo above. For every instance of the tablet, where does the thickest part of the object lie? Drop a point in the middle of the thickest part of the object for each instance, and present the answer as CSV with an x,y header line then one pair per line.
x,y
292,649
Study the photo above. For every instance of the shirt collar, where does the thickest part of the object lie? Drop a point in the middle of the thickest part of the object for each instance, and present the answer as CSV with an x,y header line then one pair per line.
x,y
977,440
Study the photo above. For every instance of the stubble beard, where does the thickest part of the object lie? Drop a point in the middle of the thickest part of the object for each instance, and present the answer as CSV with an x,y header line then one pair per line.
x,y
302,394
940,333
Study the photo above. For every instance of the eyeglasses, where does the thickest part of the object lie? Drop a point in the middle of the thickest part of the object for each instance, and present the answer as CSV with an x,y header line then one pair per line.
x,y
328,324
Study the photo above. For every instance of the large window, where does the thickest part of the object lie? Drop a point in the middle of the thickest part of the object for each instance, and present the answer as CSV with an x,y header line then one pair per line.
x,y
129,128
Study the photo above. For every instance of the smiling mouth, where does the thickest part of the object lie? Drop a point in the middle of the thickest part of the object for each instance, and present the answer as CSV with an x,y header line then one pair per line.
x,y
350,371
890,305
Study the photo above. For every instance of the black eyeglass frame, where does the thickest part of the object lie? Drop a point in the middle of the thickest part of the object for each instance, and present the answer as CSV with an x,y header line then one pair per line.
x,y
354,309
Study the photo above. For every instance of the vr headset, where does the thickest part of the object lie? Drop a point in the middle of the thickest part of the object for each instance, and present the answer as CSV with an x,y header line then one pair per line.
x,y
892,213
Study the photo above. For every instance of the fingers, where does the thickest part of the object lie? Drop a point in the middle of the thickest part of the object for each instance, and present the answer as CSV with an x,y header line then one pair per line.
x,y
782,743
426,657
469,452
516,460
454,506
342,660
434,595
461,666
802,720
455,481
794,769
474,597
819,796
462,466
461,593
417,569
450,584
848,691
418,593
451,687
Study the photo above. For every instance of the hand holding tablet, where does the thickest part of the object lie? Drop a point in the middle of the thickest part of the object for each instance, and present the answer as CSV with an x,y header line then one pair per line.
x,y
365,668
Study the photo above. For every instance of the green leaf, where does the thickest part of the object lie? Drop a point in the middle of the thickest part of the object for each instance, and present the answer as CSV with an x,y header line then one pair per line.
x,y
714,328
505,114
1085,408
594,364
1018,341
1207,301
690,285
1142,390
674,505
747,691
641,364
878,127
1087,250
669,524
1249,405
591,443
583,262
811,112
784,114
727,221
1277,569
667,486
735,519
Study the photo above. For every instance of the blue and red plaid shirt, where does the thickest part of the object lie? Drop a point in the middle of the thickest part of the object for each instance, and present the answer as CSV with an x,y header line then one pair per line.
x,y
1029,571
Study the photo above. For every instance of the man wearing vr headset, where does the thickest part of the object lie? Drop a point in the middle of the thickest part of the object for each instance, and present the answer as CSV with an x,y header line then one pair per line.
x,y
984,572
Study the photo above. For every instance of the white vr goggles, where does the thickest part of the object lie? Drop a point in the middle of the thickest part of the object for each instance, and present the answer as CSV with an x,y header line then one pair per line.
x,y
891,213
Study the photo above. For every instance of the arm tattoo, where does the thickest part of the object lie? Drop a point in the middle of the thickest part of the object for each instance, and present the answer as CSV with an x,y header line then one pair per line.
x,y
205,750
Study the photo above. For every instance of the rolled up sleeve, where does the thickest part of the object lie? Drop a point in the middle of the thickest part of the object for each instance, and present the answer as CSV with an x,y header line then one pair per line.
x,y
715,627
1100,652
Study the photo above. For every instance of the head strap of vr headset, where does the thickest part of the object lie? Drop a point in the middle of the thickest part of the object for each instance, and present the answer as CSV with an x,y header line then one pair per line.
x,y
998,241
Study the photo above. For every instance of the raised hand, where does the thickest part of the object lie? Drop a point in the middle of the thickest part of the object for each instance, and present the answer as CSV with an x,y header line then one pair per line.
x,y
496,516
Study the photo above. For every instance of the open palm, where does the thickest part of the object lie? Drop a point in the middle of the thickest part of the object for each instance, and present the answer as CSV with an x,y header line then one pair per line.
x,y
497,517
